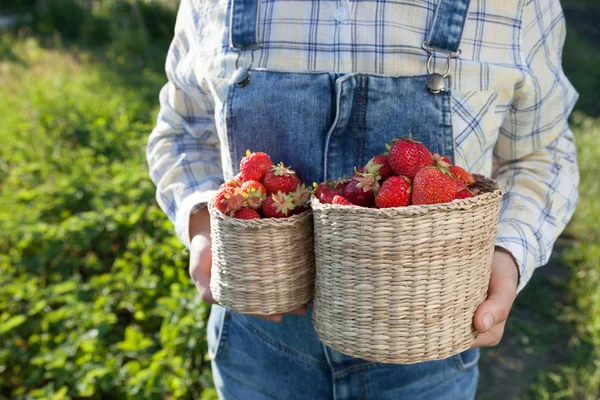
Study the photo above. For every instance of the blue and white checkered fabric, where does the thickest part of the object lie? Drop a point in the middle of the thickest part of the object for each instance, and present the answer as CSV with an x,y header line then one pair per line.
x,y
511,99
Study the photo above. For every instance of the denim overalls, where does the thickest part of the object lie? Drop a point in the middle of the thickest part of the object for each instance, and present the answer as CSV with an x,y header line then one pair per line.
x,y
323,125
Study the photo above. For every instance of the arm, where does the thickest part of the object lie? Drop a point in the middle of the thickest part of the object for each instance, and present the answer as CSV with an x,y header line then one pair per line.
x,y
535,161
535,157
183,151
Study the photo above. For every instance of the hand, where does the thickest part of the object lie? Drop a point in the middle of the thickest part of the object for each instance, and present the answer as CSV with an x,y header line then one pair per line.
x,y
201,262
490,317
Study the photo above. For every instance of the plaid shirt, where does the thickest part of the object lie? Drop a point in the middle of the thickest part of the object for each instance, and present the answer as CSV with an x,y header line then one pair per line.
x,y
510,98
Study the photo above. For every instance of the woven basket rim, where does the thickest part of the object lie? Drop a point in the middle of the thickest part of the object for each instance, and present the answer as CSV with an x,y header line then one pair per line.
x,y
455,205
259,223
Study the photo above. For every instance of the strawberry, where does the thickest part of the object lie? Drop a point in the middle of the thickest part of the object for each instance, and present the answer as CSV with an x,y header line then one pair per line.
x,y
280,179
255,193
340,201
461,174
298,210
464,194
433,185
395,192
301,196
254,166
220,196
326,191
407,157
246,213
361,192
235,182
369,182
380,166
441,160
228,200
341,183
278,205
460,185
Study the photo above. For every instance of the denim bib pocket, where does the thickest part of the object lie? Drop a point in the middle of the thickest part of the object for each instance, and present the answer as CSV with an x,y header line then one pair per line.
x,y
286,115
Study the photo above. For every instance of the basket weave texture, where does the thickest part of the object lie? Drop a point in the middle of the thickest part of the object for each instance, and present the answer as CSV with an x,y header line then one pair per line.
x,y
401,285
262,266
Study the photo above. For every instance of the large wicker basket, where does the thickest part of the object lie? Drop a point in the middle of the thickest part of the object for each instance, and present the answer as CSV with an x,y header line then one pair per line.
x,y
262,266
401,285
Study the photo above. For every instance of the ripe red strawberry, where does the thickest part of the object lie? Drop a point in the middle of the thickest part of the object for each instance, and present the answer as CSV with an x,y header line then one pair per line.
x,y
461,174
298,210
464,194
380,166
280,179
395,192
246,213
441,160
278,205
407,157
228,200
301,196
255,193
433,185
341,183
341,201
460,185
369,182
235,182
326,191
361,192
220,196
254,166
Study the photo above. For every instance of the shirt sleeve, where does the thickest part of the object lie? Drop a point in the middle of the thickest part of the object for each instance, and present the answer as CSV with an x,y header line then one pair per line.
x,y
535,158
183,150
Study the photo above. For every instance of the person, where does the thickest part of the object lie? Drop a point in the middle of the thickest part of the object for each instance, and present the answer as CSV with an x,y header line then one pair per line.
x,y
321,85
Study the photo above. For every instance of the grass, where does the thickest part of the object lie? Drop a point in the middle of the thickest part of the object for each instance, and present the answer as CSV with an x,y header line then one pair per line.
x,y
95,300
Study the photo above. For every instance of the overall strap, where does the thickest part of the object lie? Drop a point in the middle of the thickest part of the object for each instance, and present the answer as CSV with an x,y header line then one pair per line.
x,y
448,25
242,29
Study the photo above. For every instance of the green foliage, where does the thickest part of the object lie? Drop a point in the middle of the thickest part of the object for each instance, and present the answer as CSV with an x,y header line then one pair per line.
x,y
96,22
95,299
580,379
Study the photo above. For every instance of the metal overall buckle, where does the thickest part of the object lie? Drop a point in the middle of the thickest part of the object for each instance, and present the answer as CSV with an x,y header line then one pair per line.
x,y
436,83
241,76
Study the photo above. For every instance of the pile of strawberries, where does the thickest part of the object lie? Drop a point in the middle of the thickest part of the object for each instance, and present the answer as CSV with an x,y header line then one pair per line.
x,y
407,174
262,190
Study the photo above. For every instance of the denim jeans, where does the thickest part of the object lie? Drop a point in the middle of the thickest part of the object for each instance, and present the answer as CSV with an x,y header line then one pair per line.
x,y
253,359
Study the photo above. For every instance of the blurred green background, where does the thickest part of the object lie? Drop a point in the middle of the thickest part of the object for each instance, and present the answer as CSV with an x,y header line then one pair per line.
x,y
95,300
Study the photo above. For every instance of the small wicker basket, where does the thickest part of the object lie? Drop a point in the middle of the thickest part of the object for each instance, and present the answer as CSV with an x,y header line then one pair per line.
x,y
401,285
262,266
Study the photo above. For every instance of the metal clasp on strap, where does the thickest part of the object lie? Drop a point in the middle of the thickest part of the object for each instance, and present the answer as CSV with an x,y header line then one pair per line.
x,y
241,76
436,82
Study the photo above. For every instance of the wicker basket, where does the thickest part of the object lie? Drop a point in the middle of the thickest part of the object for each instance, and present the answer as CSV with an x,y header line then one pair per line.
x,y
262,266
401,285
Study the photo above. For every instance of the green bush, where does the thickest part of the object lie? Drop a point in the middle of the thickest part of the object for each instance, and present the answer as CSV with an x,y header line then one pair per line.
x,y
100,22
580,379
95,299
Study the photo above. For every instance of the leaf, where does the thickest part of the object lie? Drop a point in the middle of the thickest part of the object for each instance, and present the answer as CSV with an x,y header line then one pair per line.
x,y
134,340
209,394
12,323
61,394
39,306
64,287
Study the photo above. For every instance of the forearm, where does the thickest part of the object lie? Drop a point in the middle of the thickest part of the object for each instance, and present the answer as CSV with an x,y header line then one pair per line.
x,y
199,224
541,195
